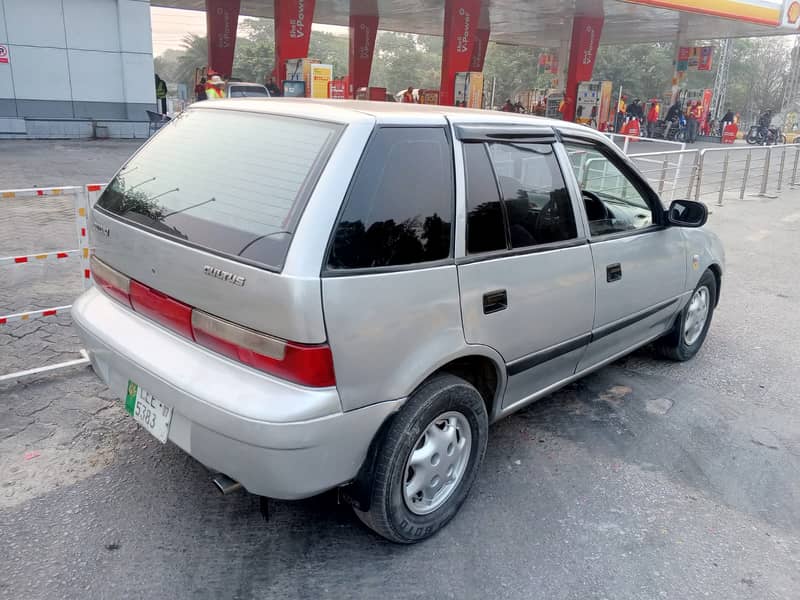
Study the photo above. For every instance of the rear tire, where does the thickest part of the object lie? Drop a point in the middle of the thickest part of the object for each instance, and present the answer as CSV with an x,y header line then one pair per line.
x,y
686,337
438,438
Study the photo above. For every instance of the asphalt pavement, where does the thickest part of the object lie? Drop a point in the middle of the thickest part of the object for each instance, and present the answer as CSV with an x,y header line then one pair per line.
x,y
645,480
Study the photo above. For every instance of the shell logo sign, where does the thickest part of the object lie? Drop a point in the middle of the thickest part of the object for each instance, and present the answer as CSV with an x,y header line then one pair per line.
x,y
791,14
772,13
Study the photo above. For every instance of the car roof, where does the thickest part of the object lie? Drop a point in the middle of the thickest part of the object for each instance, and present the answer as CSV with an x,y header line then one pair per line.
x,y
347,111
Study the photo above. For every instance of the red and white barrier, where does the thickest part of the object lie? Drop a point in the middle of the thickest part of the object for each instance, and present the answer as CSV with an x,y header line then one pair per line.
x,y
25,316
9,260
83,196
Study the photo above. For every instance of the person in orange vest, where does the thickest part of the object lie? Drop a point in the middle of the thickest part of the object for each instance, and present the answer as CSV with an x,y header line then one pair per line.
x,y
215,87
693,121
652,118
622,110
408,95
565,107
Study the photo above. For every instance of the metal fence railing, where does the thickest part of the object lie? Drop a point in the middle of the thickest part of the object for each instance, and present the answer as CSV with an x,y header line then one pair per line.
x,y
628,143
720,173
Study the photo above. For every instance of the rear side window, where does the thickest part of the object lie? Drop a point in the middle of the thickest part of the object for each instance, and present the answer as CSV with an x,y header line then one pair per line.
x,y
399,210
227,181
247,91
535,196
486,230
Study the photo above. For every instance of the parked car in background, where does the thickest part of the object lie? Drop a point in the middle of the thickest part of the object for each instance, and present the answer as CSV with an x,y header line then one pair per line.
x,y
243,89
370,285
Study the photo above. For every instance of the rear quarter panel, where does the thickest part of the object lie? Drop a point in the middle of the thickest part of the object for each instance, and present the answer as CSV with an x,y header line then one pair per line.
x,y
389,331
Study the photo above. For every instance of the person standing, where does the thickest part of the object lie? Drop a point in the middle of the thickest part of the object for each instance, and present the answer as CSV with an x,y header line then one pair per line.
x,y
272,88
622,110
200,90
635,110
215,87
565,107
508,106
408,95
673,118
692,123
728,117
161,94
652,118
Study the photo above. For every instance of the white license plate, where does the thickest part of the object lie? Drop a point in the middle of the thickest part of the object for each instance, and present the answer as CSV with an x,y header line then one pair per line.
x,y
148,412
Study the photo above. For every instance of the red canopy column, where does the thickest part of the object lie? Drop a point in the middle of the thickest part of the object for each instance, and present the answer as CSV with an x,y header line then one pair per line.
x,y
479,52
363,29
222,19
481,39
293,20
461,20
586,32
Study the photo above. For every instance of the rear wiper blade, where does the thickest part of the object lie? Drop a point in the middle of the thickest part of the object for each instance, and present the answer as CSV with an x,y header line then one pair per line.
x,y
175,212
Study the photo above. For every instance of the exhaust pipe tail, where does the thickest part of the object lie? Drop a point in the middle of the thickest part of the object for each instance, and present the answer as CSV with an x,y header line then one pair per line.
x,y
225,484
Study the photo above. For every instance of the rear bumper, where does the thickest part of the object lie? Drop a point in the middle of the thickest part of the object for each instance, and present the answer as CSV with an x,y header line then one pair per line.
x,y
276,438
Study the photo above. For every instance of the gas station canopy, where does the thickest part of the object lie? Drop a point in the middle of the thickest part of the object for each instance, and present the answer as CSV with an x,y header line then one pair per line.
x,y
541,23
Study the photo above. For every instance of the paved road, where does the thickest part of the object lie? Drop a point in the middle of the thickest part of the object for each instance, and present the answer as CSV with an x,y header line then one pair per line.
x,y
645,480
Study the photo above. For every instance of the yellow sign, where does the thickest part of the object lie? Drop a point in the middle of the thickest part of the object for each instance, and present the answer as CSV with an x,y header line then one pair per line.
x,y
475,99
320,76
762,12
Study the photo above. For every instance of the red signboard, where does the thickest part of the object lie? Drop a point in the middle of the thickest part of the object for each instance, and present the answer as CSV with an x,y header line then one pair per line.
x,y
337,89
222,17
293,20
461,19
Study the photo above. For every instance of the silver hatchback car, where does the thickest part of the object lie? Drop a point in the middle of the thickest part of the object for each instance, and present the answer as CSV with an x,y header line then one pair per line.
x,y
305,295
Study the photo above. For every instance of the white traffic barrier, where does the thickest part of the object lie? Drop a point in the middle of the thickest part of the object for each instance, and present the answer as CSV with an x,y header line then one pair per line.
x,y
82,196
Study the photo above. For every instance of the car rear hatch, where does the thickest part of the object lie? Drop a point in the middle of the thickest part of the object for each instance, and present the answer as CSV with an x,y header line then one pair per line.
x,y
199,223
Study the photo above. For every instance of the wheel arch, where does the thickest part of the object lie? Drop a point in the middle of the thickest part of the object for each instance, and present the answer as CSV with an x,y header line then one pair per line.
x,y
481,366
716,270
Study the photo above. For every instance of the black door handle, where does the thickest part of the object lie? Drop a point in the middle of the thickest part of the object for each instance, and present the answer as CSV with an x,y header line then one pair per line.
x,y
495,301
614,272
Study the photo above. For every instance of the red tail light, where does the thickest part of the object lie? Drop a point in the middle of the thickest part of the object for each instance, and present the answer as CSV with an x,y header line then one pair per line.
x,y
112,282
305,364
161,308
310,365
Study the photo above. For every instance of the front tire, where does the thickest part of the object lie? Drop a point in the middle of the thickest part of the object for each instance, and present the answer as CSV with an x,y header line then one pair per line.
x,y
691,327
428,461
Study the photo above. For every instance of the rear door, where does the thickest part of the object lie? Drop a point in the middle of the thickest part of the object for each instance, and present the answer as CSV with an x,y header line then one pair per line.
x,y
526,277
639,263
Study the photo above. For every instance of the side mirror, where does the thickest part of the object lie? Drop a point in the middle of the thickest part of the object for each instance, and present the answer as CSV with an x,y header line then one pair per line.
x,y
687,213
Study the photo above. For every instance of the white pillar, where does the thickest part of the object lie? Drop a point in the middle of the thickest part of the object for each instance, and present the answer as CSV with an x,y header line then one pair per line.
x,y
680,42
563,53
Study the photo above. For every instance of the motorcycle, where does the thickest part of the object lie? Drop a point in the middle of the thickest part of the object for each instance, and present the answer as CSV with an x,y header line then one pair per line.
x,y
760,136
677,130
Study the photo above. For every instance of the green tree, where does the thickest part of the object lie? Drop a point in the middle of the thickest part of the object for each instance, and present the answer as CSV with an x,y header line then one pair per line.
x,y
403,60
643,70
513,69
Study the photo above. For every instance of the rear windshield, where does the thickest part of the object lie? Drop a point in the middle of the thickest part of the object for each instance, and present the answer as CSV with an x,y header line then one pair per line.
x,y
231,182
247,91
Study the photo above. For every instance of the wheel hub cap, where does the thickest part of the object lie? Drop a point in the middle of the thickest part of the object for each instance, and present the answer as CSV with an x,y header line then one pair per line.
x,y
437,463
696,315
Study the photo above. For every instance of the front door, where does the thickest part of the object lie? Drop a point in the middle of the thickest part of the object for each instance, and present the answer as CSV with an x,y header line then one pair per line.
x,y
639,263
527,280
